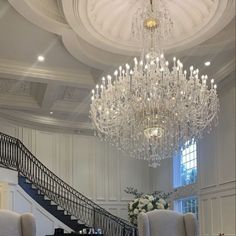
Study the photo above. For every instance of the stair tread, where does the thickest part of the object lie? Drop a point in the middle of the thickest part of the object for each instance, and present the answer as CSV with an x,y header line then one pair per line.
x,y
52,207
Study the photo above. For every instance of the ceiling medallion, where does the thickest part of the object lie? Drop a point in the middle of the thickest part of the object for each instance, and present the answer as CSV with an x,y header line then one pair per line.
x,y
153,109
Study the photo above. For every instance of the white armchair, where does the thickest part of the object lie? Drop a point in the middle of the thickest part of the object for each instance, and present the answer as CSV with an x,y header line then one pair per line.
x,y
13,224
167,223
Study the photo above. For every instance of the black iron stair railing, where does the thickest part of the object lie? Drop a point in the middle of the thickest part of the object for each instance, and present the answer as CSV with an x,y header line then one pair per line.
x,y
14,155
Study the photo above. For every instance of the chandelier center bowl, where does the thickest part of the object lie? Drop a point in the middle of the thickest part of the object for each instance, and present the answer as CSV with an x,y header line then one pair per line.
x,y
151,23
153,132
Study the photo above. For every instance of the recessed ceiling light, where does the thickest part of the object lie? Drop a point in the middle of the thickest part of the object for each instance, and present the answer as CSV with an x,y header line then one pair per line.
x,y
51,112
41,58
207,63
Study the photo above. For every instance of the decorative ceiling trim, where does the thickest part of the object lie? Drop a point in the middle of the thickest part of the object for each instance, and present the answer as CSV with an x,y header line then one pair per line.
x,y
88,54
14,70
88,44
78,16
46,122
34,15
224,71
9,101
80,23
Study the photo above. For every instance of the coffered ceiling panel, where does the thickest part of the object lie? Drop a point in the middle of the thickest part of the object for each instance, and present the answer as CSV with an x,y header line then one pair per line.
x,y
14,87
75,94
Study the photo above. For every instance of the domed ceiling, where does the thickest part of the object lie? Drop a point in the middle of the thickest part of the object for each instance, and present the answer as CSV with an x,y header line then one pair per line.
x,y
98,33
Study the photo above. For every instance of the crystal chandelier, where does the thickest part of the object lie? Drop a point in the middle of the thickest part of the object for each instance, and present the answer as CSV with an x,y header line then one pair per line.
x,y
153,109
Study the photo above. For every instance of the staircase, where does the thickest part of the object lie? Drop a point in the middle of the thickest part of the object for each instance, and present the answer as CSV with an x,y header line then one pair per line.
x,y
48,205
57,197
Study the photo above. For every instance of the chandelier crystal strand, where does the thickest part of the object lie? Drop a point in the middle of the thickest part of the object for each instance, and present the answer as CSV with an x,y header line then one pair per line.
x,y
152,25
153,109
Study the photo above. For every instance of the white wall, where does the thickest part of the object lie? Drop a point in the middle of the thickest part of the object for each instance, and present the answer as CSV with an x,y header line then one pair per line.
x,y
13,197
216,166
216,154
92,167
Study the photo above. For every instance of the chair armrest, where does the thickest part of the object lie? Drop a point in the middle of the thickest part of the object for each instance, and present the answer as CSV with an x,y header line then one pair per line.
x,y
28,225
191,225
143,225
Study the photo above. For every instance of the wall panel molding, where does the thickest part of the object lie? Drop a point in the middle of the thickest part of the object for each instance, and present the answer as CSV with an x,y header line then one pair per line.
x,y
92,167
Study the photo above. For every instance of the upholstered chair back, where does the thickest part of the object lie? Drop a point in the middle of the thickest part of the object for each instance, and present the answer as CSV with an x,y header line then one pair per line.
x,y
166,223
13,224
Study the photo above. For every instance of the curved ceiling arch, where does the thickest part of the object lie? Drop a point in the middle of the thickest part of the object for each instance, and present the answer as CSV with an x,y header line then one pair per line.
x,y
98,33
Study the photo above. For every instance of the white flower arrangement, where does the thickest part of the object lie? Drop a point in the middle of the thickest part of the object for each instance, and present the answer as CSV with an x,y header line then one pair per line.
x,y
145,203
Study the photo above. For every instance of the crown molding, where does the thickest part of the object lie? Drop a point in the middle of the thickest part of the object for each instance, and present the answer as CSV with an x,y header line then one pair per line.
x,y
14,70
224,71
27,103
34,15
44,122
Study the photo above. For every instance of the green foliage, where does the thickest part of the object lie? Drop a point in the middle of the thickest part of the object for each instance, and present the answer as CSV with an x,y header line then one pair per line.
x,y
157,194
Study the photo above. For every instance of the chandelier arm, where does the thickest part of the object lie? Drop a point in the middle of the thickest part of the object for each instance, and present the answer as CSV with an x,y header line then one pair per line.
x,y
153,109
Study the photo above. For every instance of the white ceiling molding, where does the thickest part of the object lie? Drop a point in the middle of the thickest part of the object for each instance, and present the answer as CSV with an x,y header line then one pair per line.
x,y
31,11
15,70
72,109
89,54
77,15
16,102
224,71
107,24
99,32
46,122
